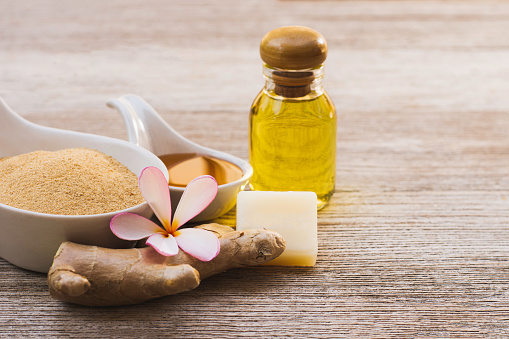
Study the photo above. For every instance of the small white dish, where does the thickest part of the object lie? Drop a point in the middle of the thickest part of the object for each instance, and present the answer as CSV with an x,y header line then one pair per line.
x,y
30,239
146,128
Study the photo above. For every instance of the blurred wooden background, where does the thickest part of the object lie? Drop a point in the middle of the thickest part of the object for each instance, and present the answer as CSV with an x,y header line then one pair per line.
x,y
415,242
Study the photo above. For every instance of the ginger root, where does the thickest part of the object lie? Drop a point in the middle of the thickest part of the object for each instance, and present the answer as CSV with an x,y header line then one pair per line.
x,y
93,276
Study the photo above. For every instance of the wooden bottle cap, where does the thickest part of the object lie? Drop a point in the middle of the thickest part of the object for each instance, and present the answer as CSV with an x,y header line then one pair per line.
x,y
293,48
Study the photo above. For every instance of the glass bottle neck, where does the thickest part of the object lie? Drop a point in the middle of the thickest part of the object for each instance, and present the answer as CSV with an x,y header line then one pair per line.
x,y
293,83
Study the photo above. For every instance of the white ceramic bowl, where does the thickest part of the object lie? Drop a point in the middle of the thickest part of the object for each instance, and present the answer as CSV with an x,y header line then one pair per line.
x,y
146,128
29,239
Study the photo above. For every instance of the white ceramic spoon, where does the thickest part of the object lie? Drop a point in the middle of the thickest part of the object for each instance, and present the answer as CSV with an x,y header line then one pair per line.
x,y
30,239
146,128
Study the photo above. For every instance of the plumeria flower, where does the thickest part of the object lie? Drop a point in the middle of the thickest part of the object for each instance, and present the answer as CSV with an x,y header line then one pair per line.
x,y
166,240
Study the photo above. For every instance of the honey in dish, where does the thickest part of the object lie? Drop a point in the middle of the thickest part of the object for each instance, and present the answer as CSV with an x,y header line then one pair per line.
x,y
184,167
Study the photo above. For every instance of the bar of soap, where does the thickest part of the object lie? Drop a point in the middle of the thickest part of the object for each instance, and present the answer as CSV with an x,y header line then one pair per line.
x,y
291,214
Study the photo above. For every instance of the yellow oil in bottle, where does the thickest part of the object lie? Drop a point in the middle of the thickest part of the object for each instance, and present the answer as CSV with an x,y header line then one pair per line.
x,y
292,126
292,144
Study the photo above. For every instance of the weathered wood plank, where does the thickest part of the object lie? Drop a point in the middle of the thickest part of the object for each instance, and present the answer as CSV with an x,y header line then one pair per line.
x,y
415,240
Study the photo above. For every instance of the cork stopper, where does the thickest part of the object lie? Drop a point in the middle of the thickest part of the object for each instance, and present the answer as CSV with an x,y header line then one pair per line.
x,y
293,48
293,51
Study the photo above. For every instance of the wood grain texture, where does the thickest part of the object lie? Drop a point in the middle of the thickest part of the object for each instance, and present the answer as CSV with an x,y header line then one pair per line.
x,y
415,242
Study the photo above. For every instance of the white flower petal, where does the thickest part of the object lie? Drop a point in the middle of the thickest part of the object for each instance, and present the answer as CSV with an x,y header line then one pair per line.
x,y
164,244
198,194
131,226
154,188
201,244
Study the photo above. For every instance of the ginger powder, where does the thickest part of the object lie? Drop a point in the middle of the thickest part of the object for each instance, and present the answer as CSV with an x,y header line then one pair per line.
x,y
73,181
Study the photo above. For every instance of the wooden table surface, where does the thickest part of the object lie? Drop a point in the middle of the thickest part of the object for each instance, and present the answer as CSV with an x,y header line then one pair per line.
x,y
415,242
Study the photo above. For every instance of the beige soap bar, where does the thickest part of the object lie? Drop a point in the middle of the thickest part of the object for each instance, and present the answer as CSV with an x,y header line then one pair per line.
x,y
291,214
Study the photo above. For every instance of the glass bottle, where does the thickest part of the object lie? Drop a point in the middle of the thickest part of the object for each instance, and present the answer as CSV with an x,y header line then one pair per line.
x,y
292,123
